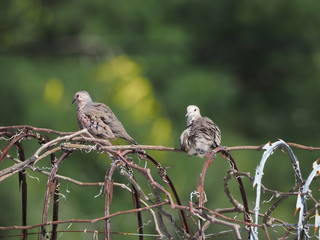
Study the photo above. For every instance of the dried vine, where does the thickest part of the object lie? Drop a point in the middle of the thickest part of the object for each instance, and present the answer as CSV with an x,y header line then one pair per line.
x,y
160,198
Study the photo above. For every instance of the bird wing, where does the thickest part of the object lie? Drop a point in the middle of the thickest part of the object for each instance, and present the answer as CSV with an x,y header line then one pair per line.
x,y
109,119
184,139
99,121
214,130
204,129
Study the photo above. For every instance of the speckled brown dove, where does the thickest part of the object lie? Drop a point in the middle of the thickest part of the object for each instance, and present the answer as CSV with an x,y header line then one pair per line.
x,y
201,134
99,119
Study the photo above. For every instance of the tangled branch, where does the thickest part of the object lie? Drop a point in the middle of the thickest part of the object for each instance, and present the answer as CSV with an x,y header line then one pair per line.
x,y
151,188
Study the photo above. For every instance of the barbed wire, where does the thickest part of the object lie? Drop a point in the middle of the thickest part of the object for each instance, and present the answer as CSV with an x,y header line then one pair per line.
x,y
153,191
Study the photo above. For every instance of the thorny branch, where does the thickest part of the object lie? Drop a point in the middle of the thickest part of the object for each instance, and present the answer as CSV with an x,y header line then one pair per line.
x,y
160,198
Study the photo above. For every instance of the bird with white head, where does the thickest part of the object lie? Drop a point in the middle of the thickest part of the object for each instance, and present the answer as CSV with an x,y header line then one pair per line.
x,y
201,134
193,113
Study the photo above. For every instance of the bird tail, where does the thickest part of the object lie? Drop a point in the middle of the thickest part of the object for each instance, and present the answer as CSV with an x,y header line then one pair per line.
x,y
130,139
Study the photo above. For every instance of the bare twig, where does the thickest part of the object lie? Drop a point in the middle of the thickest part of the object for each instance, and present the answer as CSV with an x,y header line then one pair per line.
x,y
161,200
36,129
51,189
108,191
95,220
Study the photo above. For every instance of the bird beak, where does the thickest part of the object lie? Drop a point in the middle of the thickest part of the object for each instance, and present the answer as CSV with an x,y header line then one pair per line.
x,y
186,115
73,101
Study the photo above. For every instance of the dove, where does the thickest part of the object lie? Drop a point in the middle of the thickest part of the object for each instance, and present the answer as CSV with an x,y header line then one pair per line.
x,y
99,119
201,134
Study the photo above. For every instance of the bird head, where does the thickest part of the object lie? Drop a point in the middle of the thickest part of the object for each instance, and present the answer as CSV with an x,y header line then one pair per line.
x,y
81,98
193,112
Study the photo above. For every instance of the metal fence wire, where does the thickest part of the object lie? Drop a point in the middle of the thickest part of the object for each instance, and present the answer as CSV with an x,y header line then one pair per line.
x,y
156,202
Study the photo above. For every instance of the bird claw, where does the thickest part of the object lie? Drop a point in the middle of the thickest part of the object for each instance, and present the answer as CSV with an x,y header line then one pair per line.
x,y
210,154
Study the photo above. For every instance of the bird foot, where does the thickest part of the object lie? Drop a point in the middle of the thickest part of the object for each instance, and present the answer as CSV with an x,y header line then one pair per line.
x,y
119,152
210,154
88,134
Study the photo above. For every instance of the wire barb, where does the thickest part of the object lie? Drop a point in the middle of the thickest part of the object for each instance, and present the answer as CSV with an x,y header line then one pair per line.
x,y
156,200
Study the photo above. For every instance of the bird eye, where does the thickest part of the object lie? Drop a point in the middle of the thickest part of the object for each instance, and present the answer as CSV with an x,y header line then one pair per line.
x,y
195,110
77,95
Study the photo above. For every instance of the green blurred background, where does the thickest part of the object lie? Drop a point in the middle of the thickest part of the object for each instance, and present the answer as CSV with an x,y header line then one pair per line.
x,y
252,66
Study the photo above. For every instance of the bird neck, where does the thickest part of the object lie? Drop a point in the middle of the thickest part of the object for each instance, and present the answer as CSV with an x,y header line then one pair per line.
x,y
191,119
81,105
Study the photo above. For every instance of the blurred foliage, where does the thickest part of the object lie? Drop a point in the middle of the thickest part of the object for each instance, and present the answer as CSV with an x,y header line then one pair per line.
x,y
252,66
133,93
